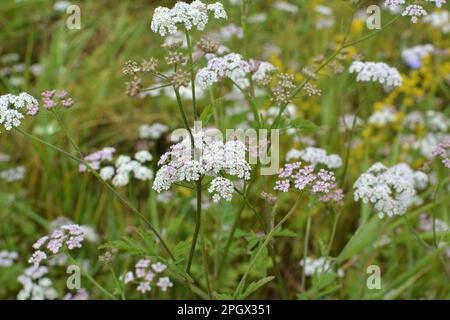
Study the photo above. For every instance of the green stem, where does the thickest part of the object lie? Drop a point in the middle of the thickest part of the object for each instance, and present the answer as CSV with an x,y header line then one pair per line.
x,y
87,275
197,225
263,245
191,67
306,243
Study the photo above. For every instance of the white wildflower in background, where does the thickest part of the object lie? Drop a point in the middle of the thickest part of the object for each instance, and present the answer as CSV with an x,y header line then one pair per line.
x,y
393,3
145,274
349,121
428,144
443,151
213,158
315,156
143,156
318,266
391,190
7,258
426,224
231,66
376,71
121,170
80,294
439,20
12,106
413,56
382,117
96,158
4,157
154,131
61,6
226,33
191,15
437,121
35,285
438,3
325,19
286,6
13,174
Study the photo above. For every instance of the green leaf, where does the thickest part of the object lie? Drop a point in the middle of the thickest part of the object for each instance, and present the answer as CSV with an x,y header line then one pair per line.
x,y
364,237
223,296
207,113
285,233
255,285
126,244
298,123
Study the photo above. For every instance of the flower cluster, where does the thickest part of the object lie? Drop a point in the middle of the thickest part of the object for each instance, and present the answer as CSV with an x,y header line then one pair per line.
x,y
315,156
376,71
414,11
231,66
13,174
426,223
387,114
145,273
11,107
52,99
443,151
7,258
154,131
413,56
80,294
221,188
124,166
96,158
261,70
191,15
35,285
320,182
391,190
68,237
318,266
211,157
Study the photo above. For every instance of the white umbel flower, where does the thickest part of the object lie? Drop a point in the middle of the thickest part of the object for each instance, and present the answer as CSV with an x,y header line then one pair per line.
x,y
230,66
315,156
192,15
154,131
143,156
383,117
414,11
221,188
107,172
376,71
391,190
264,69
212,158
11,107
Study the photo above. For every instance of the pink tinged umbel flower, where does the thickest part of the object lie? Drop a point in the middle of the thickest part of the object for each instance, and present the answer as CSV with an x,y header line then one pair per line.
x,y
319,182
69,236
